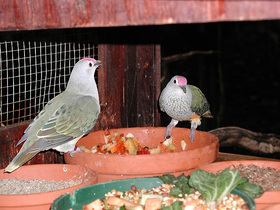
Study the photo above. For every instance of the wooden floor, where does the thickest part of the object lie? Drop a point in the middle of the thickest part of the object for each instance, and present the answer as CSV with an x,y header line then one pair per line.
x,y
228,156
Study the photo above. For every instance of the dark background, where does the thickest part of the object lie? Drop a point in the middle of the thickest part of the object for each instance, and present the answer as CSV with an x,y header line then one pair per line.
x,y
240,78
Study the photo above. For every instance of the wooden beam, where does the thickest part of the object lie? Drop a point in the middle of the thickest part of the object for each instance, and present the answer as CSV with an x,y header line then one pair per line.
x,y
33,14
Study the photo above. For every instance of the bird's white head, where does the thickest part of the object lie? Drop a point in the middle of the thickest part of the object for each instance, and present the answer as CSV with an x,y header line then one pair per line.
x,y
179,81
82,76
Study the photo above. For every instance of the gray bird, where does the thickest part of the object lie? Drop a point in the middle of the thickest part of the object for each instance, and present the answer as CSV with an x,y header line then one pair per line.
x,y
183,102
65,119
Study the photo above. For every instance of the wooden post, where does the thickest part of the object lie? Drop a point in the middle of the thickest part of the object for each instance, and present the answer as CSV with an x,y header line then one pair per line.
x,y
129,85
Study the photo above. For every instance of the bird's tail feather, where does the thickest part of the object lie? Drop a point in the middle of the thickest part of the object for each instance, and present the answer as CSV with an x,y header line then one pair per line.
x,y
208,114
19,160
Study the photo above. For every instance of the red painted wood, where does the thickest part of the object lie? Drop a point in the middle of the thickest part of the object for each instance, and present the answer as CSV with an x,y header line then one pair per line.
x,y
33,14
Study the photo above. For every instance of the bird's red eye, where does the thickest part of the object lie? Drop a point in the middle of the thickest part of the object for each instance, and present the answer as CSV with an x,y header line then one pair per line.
x,y
90,64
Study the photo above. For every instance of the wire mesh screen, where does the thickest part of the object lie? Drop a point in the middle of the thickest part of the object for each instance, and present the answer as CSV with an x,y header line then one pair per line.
x,y
32,73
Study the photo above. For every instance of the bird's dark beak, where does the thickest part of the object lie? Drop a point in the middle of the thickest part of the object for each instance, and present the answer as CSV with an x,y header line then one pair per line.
x,y
184,88
97,63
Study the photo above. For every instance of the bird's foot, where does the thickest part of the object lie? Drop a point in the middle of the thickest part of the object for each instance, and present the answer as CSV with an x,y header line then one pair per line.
x,y
192,135
194,124
76,149
172,124
167,134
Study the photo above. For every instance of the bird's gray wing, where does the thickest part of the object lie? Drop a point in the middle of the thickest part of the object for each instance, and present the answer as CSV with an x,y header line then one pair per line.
x,y
69,122
40,115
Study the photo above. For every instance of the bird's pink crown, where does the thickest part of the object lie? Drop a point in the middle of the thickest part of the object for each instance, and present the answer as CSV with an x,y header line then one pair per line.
x,y
182,80
89,59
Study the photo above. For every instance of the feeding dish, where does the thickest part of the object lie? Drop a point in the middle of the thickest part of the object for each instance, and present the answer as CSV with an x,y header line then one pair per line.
x,y
203,150
88,194
54,172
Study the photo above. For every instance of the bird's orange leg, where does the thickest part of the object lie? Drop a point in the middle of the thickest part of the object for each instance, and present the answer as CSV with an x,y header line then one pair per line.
x,y
195,121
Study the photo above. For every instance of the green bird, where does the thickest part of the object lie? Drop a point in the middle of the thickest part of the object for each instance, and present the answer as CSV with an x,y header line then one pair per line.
x,y
65,119
183,102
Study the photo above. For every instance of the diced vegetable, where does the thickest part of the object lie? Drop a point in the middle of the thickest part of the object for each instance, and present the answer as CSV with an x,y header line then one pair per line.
x,y
143,152
115,201
155,150
168,141
130,135
153,203
183,145
171,147
96,205
82,148
145,197
130,147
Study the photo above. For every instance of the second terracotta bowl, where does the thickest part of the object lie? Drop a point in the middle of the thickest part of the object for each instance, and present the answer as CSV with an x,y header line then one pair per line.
x,y
49,172
203,150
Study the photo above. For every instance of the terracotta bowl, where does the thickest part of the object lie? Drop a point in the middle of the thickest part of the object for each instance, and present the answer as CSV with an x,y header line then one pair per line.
x,y
269,197
203,150
55,172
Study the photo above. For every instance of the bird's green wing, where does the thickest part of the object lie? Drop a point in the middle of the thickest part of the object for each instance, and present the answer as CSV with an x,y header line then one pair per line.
x,y
72,120
199,103
40,115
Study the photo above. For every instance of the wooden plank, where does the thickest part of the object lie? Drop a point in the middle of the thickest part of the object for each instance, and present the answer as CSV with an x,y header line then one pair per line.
x,y
230,157
33,14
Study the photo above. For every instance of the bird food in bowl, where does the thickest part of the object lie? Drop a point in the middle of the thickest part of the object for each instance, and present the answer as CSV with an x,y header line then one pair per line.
x,y
182,157
164,192
36,186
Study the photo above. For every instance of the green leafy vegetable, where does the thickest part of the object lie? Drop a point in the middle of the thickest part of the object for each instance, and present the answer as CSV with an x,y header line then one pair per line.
x,y
168,179
255,191
214,188
181,182
176,192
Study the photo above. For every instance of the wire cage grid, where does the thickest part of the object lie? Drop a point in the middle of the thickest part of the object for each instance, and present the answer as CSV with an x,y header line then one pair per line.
x,y
33,72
